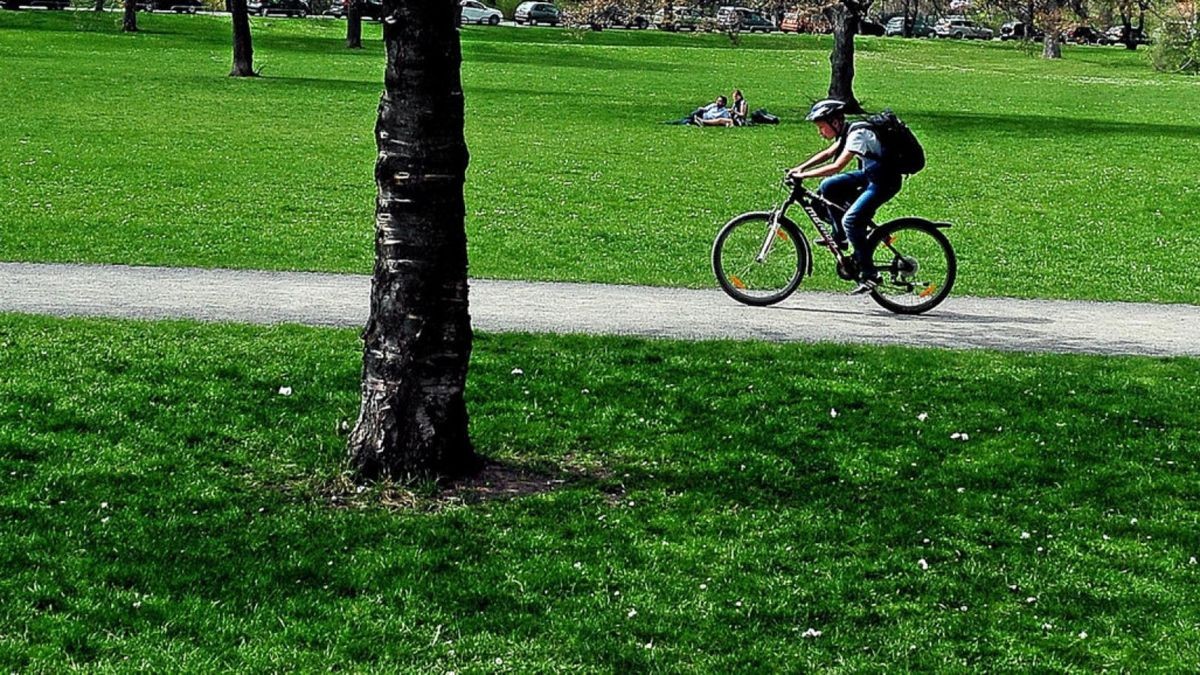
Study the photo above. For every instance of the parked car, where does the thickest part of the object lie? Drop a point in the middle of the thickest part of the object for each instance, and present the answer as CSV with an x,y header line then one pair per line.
x,y
285,7
682,18
895,26
743,19
805,22
534,13
48,4
177,6
868,26
1016,30
474,11
1085,35
960,28
1116,35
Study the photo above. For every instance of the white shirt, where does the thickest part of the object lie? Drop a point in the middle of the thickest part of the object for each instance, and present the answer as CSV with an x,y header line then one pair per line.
x,y
864,143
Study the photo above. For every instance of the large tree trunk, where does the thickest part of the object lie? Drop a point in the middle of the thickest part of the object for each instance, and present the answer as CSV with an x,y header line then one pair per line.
x,y
129,21
417,341
354,24
841,59
243,50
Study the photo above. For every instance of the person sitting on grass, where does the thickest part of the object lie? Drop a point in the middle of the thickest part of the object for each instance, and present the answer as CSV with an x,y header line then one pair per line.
x,y
715,114
740,109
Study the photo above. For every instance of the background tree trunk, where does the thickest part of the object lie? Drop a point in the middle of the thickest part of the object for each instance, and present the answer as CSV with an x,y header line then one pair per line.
x,y
841,60
129,21
417,341
354,24
99,6
243,50
1052,48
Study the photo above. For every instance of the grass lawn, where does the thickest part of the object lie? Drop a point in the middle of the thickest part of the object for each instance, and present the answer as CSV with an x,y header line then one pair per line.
x,y
163,506
1066,179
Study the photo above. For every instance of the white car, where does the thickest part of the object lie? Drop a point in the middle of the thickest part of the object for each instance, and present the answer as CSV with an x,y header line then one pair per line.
x,y
477,12
959,27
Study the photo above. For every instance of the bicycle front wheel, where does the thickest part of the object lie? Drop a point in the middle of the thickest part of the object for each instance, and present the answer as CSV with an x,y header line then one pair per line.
x,y
916,264
755,267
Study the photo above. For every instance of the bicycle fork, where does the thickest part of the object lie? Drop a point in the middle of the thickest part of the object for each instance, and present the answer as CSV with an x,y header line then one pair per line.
x,y
772,233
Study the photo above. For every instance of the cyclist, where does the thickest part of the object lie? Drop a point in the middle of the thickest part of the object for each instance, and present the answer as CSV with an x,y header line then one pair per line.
x,y
865,190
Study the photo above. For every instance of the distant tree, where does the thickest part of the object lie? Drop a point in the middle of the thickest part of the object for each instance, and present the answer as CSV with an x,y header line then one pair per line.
x,y
417,341
243,49
129,20
98,6
1176,48
354,24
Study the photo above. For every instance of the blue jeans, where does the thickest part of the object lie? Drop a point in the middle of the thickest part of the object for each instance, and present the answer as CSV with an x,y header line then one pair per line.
x,y
865,193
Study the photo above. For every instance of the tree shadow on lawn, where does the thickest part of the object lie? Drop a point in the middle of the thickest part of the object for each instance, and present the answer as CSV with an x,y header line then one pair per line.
x,y
1040,126
580,58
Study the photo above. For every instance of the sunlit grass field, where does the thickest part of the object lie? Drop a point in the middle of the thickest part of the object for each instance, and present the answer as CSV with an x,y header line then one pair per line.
x,y
1071,179
167,504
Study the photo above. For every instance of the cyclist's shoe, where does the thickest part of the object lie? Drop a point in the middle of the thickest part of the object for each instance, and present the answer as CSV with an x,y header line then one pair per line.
x,y
842,244
866,285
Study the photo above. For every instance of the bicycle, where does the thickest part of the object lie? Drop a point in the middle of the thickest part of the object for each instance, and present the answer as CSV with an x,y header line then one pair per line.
x,y
760,257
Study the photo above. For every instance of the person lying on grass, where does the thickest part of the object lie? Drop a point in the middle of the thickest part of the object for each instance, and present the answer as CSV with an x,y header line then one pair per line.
x,y
715,114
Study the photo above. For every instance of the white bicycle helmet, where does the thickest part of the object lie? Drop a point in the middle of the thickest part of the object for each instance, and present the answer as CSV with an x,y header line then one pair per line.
x,y
823,110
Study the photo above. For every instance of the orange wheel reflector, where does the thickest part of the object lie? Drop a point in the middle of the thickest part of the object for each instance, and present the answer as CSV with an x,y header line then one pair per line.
x,y
928,290
781,234
737,283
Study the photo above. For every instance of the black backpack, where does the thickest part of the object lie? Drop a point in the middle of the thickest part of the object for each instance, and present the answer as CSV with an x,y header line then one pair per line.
x,y
901,149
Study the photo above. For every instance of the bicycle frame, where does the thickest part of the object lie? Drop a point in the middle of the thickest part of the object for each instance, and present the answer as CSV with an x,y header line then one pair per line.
x,y
808,200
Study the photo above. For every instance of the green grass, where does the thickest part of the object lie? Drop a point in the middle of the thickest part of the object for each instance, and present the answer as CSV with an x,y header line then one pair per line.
x,y
1066,179
160,509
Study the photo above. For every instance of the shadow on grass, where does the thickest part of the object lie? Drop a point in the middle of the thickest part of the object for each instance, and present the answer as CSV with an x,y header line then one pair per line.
x,y
582,58
1043,125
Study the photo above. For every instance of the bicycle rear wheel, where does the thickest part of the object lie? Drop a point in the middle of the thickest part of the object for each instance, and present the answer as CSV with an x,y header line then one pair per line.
x,y
916,263
744,273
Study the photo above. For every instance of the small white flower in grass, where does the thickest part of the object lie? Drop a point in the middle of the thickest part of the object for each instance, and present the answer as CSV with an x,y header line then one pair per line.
x,y
1192,560
811,633
585,391
104,519
1047,626
137,604
923,416
1083,635
704,587
1040,549
963,608
961,490
516,371
833,412
499,661
1031,600
578,565
1133,521
632,613
648,645
1106,537
104,505
959,436
285,391
922,564
738,603
1025,535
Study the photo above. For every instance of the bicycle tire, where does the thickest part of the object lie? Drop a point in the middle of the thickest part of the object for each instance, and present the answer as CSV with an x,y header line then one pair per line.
x,y
918,265
754,282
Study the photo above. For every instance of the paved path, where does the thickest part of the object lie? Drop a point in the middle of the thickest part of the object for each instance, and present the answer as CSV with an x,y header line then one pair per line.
x,y
502,306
